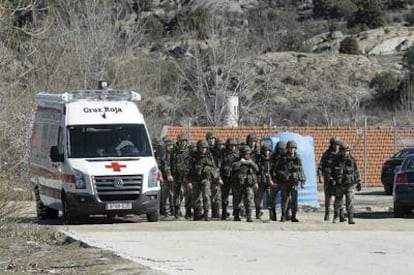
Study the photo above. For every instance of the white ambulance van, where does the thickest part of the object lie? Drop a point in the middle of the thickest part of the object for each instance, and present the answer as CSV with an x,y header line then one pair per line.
x,y
91,155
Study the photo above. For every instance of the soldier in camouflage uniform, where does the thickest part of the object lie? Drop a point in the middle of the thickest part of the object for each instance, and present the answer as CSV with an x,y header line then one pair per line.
x,y
167,186
291,176
276,158
230,155
180,161
325,176
346,177
265,179
253,142
215,151
203,171
245,172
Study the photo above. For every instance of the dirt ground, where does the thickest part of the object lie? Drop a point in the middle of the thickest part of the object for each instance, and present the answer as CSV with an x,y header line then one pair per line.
x,y
28,248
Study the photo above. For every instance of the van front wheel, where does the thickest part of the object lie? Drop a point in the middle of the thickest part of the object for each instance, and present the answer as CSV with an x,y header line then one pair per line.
x,y
153,216
68,217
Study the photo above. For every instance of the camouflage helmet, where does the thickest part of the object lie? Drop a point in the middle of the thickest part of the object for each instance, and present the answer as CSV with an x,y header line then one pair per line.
x,y
281,145
202,144
251,137
291,144
334,141
344,147
168,141
181,137
219,142
211,134
157,141
264,148
245,149
231,141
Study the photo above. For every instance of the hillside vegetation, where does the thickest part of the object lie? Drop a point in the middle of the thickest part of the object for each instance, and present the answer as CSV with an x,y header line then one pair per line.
x,y
320,62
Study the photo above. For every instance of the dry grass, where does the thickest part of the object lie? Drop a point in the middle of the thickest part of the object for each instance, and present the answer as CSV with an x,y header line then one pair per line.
x,y
9,203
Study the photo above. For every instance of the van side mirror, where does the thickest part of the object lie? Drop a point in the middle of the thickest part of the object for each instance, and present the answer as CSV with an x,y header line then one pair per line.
x,y
54,154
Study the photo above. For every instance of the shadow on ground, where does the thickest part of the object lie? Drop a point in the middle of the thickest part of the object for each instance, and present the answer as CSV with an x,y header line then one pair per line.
x,y
88,221
371,193
380,215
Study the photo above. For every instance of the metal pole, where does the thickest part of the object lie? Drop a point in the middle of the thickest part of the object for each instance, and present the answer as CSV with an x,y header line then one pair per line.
x,y
365,153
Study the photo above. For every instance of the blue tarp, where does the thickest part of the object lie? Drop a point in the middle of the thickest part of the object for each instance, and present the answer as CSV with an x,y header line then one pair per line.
x,y
306,152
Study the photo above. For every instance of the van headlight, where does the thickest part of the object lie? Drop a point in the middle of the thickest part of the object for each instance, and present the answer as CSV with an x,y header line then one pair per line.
x,y
80,182
152,177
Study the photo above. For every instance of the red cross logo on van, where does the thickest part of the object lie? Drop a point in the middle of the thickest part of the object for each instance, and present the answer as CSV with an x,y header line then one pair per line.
x,y
116,166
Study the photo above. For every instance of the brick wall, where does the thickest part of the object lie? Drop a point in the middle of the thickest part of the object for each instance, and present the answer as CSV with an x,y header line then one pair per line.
x,y
380,142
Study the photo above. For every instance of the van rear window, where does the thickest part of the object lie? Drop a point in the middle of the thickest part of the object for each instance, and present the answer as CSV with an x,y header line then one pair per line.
x,y
120,140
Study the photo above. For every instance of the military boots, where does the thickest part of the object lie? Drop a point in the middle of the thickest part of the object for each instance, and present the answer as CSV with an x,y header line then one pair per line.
x,y
236,215
188,213
272,214
259,213
294,219
249,215
326,218
351,218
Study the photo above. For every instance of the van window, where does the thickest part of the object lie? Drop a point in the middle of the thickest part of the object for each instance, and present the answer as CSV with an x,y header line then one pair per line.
x,y
120,140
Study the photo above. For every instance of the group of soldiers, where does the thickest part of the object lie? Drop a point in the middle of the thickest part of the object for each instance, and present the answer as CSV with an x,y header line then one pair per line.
x,y
339,174
204,176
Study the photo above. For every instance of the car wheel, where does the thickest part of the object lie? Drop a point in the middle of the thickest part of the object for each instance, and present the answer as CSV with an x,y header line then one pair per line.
x,y
68,217
388,189
399,211
153,216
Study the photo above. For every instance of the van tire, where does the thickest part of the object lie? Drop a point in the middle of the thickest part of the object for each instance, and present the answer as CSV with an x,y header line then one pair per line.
x,y
68,217
399,211
153,216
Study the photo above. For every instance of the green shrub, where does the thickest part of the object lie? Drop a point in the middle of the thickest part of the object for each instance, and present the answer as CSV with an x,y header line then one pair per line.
x,y
198,21
293,41
349,45
322,8
343,9
385,86
408,59
409,17
153,27
397,4
370,13
9,206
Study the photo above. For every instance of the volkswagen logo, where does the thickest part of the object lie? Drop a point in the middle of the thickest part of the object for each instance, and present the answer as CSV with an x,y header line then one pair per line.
x,y
118,183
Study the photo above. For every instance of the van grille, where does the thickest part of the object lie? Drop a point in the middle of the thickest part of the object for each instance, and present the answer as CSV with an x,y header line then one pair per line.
x,y
118,188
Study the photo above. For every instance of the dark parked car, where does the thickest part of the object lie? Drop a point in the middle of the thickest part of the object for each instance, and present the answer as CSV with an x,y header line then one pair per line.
x,y
389,168
403,193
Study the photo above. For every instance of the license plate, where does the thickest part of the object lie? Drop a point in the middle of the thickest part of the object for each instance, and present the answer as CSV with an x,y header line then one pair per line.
x,y
117,206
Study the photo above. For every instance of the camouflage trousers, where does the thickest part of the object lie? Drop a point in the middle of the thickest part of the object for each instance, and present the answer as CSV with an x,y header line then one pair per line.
x,y
340,192
215,199
201,198
329,191
225,193
243,194
181,192
289,199
259,194
167,198
273,191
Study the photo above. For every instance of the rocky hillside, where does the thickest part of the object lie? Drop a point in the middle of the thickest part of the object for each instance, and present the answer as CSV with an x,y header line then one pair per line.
x,y
315,77
286,60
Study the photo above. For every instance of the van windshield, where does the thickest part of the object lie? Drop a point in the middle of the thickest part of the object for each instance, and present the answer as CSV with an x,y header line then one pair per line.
x,y
120,140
